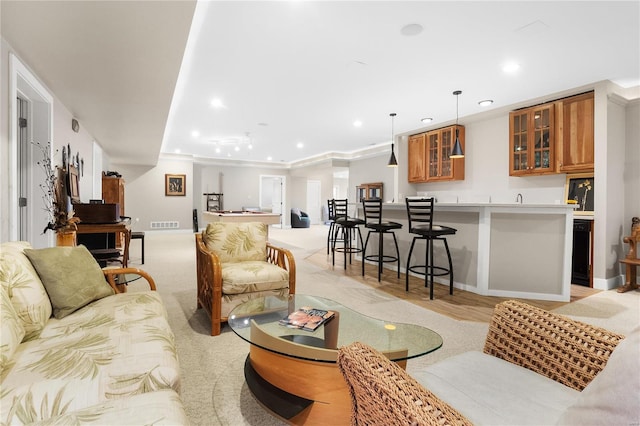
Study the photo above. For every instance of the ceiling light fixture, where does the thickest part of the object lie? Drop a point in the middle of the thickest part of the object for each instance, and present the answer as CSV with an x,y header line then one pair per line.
x,y
485,103
427,120
357,123
456,152
392,160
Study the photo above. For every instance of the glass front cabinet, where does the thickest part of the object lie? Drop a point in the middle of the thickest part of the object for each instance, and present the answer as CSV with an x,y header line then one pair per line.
x,y
366,191
531,141
429,159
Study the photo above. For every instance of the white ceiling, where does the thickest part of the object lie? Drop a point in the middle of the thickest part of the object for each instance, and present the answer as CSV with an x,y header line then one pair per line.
x,y
292,72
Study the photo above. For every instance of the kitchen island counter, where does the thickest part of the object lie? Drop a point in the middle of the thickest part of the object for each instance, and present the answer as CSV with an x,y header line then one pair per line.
x,y
505,250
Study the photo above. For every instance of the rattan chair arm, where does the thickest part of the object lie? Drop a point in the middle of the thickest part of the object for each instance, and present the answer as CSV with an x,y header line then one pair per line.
x,y
110,275
284,259
567,351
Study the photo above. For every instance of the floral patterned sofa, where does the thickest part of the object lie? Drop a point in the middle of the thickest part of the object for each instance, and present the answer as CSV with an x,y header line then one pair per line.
x,y
75,349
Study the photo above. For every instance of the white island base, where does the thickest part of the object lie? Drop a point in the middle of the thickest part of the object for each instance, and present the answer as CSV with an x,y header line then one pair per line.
x,y
505,250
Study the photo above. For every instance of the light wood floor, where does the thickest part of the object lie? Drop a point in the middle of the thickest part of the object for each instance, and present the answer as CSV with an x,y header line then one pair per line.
x,y
462,305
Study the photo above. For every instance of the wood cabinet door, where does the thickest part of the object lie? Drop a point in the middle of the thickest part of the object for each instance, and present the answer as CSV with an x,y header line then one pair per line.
x,y
441,167
576,135
416,158
532,141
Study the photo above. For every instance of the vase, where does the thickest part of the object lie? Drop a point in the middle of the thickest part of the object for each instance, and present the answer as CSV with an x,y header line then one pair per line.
x,y
66,238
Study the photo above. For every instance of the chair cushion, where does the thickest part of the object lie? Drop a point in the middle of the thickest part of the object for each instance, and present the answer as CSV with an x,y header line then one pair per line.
x,y
236,242
491,391
24,287
612,396
71,276
252,276
11,329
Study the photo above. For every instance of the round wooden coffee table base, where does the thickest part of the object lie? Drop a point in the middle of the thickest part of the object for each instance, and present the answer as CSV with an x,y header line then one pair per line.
x,y
298,391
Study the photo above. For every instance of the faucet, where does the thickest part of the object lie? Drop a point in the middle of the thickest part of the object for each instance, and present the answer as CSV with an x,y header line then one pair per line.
x,y
519,198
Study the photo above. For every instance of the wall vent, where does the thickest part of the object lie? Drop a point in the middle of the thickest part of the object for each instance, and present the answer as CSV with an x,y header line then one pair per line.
x,y
166,224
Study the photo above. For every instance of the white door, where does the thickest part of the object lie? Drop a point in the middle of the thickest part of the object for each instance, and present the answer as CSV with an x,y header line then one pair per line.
x,y
272,195
30,100
314,203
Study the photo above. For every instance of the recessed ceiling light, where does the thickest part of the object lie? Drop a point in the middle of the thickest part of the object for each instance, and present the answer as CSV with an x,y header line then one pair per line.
x,y
217,150
510,67
237,148
269,158
300,145
177,151
411,30
250,146
217,103
195,133
427,120
357,123
485,103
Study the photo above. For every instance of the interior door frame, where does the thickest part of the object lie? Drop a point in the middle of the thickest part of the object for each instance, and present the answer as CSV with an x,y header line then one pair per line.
x,y
283,194
24,84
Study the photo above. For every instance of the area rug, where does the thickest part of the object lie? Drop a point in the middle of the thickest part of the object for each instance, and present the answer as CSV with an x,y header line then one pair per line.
x,y
213,387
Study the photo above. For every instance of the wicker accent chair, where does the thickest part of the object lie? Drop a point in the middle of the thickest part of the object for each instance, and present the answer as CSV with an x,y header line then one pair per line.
x,y
382,393
569,352
235,263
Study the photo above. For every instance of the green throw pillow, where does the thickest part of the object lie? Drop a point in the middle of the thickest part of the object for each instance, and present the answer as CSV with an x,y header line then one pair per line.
x,y
71,276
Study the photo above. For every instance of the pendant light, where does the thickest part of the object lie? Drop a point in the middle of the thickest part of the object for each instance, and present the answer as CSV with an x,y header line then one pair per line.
x,y
392,160
456,152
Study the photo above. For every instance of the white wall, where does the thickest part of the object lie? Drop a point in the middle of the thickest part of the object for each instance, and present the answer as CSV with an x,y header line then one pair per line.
x,y
63,135
145,198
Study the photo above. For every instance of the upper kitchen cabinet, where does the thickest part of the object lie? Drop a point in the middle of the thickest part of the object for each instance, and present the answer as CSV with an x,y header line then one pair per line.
x,y
575,137
439,145
417,170
429,156
531,141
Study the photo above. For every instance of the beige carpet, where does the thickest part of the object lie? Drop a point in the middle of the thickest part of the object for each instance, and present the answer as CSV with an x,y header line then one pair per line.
x,y
213,388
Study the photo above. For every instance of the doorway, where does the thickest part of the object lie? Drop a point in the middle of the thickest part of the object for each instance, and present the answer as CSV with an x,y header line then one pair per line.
x,y
272,195
31,120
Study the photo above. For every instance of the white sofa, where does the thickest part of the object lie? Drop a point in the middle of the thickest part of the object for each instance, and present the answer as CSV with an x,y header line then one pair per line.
x,y
537,368
76,350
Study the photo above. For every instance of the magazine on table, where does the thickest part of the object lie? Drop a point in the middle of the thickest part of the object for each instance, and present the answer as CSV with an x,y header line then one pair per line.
x,y
307,318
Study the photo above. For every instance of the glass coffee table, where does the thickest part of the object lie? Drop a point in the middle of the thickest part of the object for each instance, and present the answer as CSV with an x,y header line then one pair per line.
x,y
294,373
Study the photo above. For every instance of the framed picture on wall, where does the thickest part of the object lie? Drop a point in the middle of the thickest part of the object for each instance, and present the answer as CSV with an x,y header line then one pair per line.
x,y
579,190
175,185
73,184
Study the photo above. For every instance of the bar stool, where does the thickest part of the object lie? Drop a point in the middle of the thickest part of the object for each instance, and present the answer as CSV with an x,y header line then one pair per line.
x,y
348,226
332,223
373,221
420,214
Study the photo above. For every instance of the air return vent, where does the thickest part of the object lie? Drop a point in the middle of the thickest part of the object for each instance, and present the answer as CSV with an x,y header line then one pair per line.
x,y
167,224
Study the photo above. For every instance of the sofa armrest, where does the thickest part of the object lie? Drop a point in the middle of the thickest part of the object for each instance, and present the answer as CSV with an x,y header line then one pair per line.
x,y
382,393
110,275
284,259
567,351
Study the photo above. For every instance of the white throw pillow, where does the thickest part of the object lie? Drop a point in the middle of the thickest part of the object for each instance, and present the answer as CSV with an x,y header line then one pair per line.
x,y
612,396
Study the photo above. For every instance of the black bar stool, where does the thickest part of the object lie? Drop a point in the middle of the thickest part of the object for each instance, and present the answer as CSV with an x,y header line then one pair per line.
x,y
420,214
332,223
373,221
347,226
